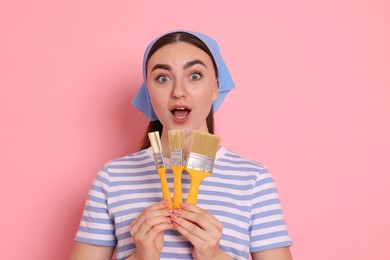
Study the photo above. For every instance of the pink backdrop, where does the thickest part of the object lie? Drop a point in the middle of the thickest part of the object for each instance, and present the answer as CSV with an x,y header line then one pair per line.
x,y
311,103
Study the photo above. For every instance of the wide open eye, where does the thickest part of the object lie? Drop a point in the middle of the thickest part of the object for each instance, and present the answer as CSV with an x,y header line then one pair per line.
x,y
195,76
163,79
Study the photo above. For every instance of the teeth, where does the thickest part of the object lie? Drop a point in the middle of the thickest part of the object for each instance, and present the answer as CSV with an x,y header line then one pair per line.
x,y
180,112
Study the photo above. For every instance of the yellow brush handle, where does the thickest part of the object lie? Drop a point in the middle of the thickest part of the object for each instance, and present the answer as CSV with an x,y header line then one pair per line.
x,y
177,190
196,178
164,185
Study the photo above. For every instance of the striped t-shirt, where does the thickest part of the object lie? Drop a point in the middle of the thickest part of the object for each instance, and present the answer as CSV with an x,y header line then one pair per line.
x,y
240,193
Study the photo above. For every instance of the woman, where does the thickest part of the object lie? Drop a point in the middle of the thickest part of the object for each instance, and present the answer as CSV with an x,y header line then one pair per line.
x,y
238,212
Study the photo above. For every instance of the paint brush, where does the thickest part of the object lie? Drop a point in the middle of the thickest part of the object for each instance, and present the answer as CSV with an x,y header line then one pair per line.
x,y
200,160
176,145
154,138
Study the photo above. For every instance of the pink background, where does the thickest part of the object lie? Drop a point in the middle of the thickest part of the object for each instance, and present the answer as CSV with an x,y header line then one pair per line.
x,y
312,103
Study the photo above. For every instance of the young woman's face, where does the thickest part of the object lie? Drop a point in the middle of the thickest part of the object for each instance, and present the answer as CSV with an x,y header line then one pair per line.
x,y
182,86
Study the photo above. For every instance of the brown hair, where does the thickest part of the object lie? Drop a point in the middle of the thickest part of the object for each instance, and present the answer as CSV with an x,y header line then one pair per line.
x,y
169,39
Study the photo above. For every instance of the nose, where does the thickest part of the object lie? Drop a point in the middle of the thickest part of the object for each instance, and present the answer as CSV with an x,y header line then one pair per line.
x,y
178,90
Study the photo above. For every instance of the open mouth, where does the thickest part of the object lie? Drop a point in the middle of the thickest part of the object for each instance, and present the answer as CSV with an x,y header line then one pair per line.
x,y
180,112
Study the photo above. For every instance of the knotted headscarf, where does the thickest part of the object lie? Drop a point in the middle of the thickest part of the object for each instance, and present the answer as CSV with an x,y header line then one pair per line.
x,y
225,82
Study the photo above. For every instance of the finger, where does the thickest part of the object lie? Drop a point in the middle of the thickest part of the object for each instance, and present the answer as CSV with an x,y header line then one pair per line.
x,y
157,229
189,226
149,223
157,209
151,235
150,218
200,217
194,239
203,214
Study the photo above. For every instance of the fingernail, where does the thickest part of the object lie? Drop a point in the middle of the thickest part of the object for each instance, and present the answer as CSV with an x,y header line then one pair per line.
x,y
183,205
173,216
177,211
165,202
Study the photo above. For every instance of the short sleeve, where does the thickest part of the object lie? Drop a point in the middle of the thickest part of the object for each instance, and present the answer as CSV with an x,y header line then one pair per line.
x,y
267,228
96,225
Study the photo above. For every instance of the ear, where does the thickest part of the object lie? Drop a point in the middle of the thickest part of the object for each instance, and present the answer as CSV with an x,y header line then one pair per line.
x,y
216,91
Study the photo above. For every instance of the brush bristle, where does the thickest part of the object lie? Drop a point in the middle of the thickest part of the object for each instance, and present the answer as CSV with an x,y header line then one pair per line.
x,y
157,134
154,141
176,139
204,143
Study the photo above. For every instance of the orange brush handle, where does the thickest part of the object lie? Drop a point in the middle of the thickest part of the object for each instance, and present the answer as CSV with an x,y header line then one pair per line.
x,y
196,179
177,189
164,185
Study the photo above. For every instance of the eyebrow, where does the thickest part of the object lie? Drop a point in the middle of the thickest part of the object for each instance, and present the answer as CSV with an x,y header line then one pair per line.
x,y
161,66
192,63
186,66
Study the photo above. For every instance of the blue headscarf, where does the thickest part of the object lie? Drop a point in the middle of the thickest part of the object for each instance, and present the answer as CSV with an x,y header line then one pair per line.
x,y
225,82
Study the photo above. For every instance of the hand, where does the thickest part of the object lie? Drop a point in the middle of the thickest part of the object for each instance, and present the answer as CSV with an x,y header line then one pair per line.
x,y
201,228
148,229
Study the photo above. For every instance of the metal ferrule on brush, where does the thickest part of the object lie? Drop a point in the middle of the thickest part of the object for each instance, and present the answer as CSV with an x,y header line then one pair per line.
x,y
177,157
158,158
200,162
